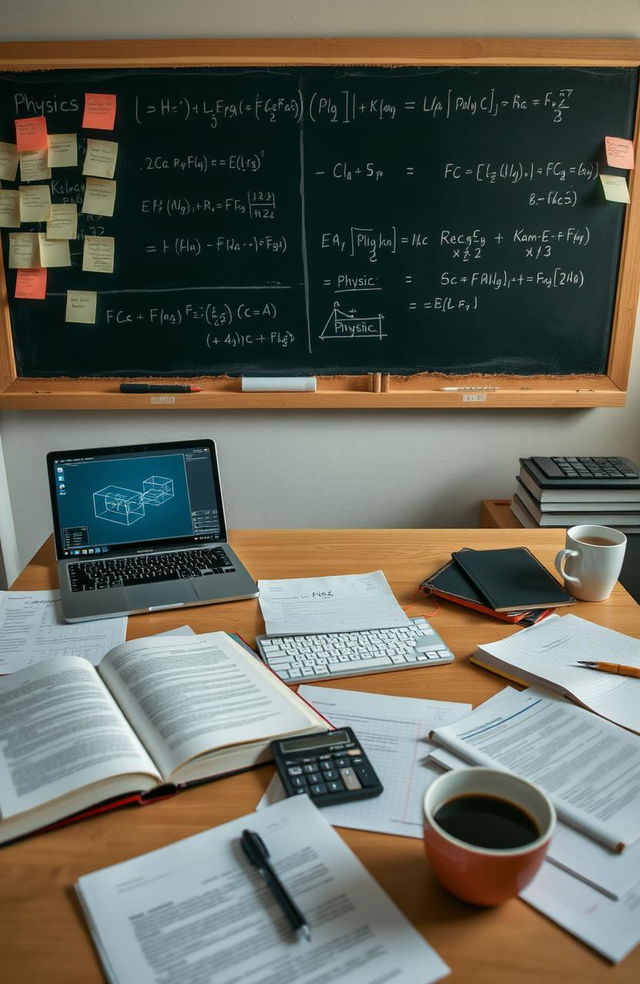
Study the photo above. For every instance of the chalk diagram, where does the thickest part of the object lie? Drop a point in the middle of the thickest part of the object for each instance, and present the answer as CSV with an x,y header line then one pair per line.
x,y
126,506
343,324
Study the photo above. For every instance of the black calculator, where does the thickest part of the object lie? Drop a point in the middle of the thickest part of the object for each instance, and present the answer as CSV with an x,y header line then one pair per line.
x,y
329,767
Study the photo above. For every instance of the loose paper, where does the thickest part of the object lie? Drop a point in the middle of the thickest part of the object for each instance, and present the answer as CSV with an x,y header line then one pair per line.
x,y
63,150
23,250
35,203
614,187
99,111
54,252
100,159
8,161
99,196
97,256
63,222
30,285
619,152
81,307
34,165
9,209
31,134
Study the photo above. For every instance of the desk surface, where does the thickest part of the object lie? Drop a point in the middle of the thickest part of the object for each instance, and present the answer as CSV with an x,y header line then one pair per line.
x,y
42,933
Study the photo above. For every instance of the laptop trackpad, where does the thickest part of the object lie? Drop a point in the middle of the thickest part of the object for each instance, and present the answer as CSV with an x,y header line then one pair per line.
x,y
159,594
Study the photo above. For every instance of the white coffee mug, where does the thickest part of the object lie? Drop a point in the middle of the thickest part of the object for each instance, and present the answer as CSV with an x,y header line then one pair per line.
x,y
591,561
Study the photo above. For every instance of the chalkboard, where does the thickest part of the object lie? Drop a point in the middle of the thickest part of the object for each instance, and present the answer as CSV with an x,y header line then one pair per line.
x,y
283,220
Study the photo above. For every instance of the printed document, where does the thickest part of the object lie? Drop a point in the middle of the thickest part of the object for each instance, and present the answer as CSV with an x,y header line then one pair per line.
x,y
197,911
340,603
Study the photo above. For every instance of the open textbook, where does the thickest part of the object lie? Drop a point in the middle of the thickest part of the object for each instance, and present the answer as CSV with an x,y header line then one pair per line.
x,y
156,712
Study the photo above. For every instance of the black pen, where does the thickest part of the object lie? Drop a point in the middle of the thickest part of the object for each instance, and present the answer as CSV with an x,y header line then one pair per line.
x,y
158,388
258,855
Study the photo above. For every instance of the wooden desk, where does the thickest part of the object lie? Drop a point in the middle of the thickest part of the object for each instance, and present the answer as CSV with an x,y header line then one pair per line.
x,y
42,933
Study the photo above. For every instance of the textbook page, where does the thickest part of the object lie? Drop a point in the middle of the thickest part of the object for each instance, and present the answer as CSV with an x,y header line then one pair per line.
x,y
197,911
589,767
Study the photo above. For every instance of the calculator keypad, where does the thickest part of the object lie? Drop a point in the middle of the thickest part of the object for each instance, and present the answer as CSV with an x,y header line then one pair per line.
x,y
329,773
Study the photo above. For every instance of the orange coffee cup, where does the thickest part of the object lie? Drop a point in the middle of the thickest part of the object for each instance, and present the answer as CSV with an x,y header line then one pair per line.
x,y
475,872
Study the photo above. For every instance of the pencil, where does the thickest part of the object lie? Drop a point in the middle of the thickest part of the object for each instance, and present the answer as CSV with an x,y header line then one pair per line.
x,y
632,671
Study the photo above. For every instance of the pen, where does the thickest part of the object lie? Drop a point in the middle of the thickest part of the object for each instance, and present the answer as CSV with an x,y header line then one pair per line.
x,y
257,854
158,388
592,664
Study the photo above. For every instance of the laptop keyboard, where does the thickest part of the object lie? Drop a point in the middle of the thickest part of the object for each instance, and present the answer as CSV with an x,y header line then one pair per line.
x,y
148,568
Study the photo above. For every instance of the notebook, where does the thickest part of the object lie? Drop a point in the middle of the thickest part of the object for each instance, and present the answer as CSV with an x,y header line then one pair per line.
x,y
141,528
511,578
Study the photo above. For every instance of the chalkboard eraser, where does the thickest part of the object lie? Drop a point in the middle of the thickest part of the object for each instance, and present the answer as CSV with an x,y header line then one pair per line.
x,y
275,384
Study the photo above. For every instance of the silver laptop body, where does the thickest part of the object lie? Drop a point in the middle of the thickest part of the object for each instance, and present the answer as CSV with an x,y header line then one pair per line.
x,y
157,507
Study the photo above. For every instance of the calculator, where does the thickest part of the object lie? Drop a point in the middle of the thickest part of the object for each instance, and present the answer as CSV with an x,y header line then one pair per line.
x,y
330,767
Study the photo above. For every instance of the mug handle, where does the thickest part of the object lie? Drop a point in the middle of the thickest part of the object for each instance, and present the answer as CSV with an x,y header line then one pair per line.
x,y
561,558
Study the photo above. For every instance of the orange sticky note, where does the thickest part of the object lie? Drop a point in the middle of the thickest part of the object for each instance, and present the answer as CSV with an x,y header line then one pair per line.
x,y
31,133
619,152
99,111
31,284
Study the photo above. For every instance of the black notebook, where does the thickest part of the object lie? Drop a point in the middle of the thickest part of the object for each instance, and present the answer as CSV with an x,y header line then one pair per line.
x,y
511,578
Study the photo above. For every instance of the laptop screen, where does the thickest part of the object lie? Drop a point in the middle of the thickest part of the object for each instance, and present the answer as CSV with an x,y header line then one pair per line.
x,y
110,499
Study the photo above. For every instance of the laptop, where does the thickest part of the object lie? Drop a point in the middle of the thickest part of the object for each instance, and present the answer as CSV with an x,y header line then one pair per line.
x,y
142,528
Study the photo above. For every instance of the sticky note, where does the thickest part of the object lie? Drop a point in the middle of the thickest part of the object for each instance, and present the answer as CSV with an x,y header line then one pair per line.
x,y
35,203
23,250
63,222
99,196
100,159
63,150
34,165
31,284
619,152
99,111
8,161
81,307
614,187
98,253
53,252
31,134
9,209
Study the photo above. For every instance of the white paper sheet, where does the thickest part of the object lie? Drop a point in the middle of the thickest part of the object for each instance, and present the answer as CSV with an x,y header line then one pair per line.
x,y
392,731
340,603
32,629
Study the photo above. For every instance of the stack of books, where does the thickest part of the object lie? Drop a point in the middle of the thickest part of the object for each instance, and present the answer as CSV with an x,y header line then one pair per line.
x,y
603,496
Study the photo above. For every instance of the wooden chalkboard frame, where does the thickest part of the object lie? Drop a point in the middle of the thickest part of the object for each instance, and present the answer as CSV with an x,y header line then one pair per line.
x,y
375,390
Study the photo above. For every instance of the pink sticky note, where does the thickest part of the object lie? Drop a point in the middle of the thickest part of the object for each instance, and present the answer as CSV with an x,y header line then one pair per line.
x,y
32,284
619,152
31,133
99,111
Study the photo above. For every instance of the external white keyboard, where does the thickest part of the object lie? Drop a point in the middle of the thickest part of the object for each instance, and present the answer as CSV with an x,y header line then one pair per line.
x,y
329,655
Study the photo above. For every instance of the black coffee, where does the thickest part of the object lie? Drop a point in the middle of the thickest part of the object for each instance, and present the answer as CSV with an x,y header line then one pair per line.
x,y
487,821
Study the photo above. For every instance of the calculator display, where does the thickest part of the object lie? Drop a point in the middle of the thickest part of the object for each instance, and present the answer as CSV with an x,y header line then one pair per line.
x,y
314,742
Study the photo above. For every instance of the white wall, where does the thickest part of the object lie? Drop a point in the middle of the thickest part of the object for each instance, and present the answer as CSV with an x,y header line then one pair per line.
x,y
324,468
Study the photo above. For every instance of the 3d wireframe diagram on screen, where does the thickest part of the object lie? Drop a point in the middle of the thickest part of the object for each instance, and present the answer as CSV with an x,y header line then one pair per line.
x,y
126,506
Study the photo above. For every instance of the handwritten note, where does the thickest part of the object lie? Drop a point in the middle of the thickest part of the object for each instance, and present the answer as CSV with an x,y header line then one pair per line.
x,y
31,284
99,196
99,111
63,150
63,222
614,187
34,165
8,161
23,250
619,152
98,253
9,209
81,307
53,252
31,134
100,159
35,203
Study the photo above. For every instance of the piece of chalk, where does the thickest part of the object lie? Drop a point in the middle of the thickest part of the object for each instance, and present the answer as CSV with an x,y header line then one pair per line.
x,y
262,384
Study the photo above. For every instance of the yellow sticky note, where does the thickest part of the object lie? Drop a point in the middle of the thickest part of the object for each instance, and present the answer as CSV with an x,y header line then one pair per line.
x,y
98,253
100,159
8,161
23,250
99,196
81,307
63,222
614,187
53,252
9,209
35,203
34,165
63,150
